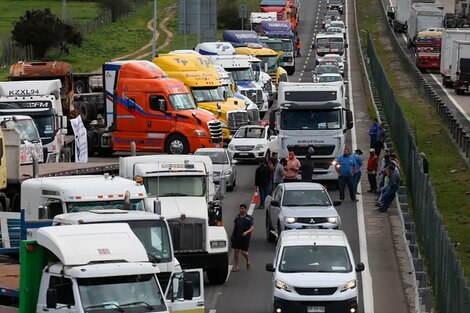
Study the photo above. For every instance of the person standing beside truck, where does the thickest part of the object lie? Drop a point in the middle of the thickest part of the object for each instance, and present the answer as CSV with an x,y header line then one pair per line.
x,y
241,237
262,177
292,168
307,167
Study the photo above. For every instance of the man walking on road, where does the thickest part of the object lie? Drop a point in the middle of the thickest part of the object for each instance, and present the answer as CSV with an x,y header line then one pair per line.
x,y
242,229
381,137
262,177
345,166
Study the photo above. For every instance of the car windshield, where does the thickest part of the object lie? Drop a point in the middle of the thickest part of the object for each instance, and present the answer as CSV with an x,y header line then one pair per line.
x,y
315,258
242,74
250,132
26,129
84,206
182,101
175,186
336,57
328,62
337,24
130,293
310,119
305,198
334,29
335,2
207,94
326,69
217,157
329,78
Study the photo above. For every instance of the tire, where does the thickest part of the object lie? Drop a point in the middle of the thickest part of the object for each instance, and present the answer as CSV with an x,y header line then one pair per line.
x,y
459,91
269,235
80,87
230,188
105,152
176,144
88,111
218,275
235,182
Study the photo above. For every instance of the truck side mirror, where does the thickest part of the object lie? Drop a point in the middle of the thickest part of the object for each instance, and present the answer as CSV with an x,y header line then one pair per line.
x,y
346,45
360,267
313,46
43,212
162,105
51,298
225,95
349,119
157,206
188,289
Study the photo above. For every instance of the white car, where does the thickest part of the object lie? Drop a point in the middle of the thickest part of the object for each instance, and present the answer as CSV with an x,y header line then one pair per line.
x,y
339,24
253,142
332,78
314,271
333,56
222,165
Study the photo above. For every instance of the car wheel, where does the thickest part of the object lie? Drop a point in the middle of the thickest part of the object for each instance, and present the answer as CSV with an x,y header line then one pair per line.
x,y
269,235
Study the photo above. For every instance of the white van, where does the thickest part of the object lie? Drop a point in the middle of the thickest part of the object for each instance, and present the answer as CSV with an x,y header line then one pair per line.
x,y
313,271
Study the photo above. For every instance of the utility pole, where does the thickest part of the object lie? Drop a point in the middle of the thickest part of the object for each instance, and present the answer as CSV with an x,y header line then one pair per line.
x,y
154,29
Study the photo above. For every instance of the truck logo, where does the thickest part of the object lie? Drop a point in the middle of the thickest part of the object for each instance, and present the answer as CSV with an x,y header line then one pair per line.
x,y
23,92
178,60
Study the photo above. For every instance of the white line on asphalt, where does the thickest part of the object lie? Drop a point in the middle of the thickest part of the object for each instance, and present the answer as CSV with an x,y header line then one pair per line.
x,y
450,97
212,311
251,208
302,73
367,289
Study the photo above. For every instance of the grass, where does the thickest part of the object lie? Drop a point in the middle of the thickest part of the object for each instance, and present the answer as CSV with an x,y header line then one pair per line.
x,y
449,173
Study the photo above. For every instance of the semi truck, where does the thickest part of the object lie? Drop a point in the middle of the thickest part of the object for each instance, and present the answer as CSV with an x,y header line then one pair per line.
x,y
240,38
460,66
280,7
199,76
447,53
401,13
423,17
282,30
97,267
41,100
183,186
257,17
312,115
427,49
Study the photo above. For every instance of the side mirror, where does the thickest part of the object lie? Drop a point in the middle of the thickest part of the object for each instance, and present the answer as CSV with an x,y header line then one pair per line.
x,y
313,46
157,206
162,105
188,289
269,267
349,119
275,203
51,298
63,122
337,203
360,267
272,138
346,45
43,212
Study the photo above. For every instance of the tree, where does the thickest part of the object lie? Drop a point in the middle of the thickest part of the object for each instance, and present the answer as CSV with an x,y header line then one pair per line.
x,y
42,30
227,14
118,8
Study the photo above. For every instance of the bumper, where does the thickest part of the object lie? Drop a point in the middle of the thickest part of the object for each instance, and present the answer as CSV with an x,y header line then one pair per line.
x,y
310,226
343,306
202,260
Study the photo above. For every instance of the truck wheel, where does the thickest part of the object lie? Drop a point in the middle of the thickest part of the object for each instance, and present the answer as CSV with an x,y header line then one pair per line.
x,y
217,276
88,111
269,235
176,144
80,86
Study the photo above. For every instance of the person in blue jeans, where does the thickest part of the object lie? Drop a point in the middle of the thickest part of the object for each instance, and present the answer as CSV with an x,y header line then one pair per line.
x,y
346,167
391,189
357,155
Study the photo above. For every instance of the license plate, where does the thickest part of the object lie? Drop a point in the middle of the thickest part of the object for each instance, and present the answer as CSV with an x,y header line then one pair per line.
x,y
243,153
311,227
315,309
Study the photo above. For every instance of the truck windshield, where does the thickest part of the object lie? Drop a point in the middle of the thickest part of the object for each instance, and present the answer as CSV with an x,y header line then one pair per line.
x,y
324,259
45,125
310,119
182,101
153,234
276,46
175,186
241,74
131,293
84,206
26,129
207,94
271,61
287,45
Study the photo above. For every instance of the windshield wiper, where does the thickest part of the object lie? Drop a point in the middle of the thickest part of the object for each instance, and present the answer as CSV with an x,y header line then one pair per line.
x,y
139,302
103,305
174,194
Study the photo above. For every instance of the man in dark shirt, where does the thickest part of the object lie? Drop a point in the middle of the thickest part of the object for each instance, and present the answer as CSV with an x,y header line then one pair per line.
x,y
391,189
243,227
262,178
307,167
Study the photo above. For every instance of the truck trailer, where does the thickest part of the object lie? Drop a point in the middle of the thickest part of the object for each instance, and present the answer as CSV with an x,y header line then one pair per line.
x,y
447,53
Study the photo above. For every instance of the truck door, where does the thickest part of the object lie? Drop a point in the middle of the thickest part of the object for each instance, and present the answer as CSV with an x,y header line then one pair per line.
x,y
159,117
185,292
129,117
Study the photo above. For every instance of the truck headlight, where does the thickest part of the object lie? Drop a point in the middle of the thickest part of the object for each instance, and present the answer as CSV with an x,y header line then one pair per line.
x,y
259,147
227,172
349,285
289,220
282,285
218,244
200,133
332,219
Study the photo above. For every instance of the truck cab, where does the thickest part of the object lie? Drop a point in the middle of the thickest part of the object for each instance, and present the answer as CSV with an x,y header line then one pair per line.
x,y
313,115
257,17
201,79
283,31
41,101
182,190
280,7
30,141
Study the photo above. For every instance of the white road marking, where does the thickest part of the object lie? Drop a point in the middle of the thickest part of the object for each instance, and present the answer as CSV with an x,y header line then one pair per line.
x,y
367,289
212,311
251,208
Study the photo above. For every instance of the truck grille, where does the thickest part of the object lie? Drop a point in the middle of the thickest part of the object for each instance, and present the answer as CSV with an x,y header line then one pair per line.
x,y
315,291
244,148
268,87
318,150
215,129
253,115
164,278
236,119
255,95
188,235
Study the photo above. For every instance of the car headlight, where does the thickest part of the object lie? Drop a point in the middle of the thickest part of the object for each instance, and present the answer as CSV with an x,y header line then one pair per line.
x,y
259,146
218,244
227,172
332,219
349,285
282,285
231,147
200,133
289,220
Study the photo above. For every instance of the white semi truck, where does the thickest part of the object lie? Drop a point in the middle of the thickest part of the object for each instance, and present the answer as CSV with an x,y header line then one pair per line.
x,y
181,189
41,100
423,16
448,54
312,115
460,66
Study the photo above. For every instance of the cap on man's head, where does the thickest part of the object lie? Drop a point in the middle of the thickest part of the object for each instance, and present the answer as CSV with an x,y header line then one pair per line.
x,y
372,150
358,151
